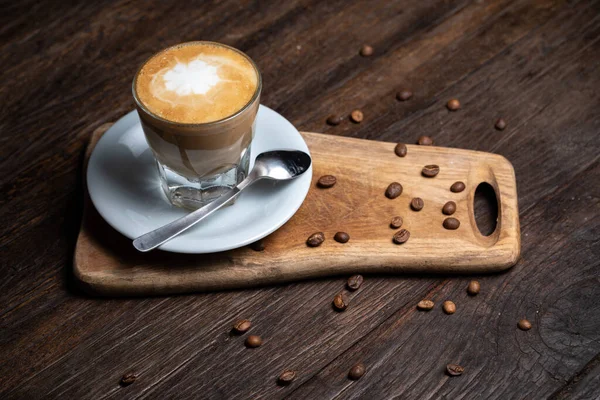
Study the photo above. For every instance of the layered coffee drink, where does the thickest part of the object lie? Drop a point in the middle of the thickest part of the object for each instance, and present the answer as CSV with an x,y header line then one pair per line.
x,y
197,103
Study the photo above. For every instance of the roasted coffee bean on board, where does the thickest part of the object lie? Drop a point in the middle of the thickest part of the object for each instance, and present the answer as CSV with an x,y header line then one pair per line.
x,y
326,181
473,288
401,236
341,237
425,305
449,208
457,187
334,120
453,105
449,307
393,190
430,171
356,116
401,150
316,239
451,223
396,222
417,204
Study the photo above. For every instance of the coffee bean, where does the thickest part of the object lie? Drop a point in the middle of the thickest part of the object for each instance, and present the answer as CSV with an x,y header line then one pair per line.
x,y
393,190
366,51
316,239
354,282
341,237
500,124
340,302
396,222
128,378
417,204
253,341
451,223
473,288
357,371
259,245
457,187
286,377
242,326
453,105
425,305
401,236
524,325
400,150
334,120
454,370
425,141
356,116
326,181
449,208
430,171
404,95
449,307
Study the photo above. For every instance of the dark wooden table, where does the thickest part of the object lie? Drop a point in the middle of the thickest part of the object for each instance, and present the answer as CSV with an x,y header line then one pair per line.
x,y
66,68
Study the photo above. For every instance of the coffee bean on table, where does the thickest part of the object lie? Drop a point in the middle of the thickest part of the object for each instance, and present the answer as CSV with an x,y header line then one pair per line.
x,y
316,239
393,190
259,245
396,222
401,150
457,187
451,223
366,51
500,124
340,302
449,307
453,105
354,282
425,305
242,326
449,208
253,341
404,95
286,377
473,288
334,120
401,236
341,237
417,204
430,171
356,116
454,370
326,181
128,378
524,325
357,371
425,141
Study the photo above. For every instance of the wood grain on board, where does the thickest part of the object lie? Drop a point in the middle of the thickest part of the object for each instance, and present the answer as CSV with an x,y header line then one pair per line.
x,y
67,69
106,263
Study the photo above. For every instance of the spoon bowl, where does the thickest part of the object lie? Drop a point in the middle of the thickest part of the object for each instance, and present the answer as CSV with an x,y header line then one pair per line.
x,y
280,164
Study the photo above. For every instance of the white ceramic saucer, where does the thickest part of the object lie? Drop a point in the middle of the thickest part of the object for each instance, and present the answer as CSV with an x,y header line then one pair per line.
x,y
123,184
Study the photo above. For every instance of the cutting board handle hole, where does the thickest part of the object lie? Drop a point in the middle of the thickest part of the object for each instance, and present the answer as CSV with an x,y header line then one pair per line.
x,y
486,208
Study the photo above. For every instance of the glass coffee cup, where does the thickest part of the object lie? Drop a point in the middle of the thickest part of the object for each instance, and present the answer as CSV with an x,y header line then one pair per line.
x,y
197,104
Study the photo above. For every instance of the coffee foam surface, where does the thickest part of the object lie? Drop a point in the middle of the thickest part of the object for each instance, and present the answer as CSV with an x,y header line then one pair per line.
x,y
196,83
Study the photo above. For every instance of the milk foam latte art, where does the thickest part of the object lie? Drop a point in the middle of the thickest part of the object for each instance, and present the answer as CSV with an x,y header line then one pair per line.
x,y
197,103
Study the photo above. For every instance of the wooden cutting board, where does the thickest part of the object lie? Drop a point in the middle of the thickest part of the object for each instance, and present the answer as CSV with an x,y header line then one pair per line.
x,y
107,264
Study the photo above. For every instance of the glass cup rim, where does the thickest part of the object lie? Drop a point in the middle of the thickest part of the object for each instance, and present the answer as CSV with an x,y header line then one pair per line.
x,y
256,94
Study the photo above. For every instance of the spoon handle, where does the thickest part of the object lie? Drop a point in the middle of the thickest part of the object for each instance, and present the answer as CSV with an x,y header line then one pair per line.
x,y
155,238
